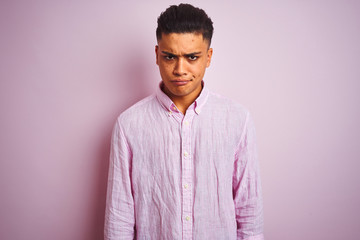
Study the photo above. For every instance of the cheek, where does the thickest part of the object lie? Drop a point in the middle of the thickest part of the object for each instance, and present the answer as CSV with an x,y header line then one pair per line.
x,y
165,69
199,69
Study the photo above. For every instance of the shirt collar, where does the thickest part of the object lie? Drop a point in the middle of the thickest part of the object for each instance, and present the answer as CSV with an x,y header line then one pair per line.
x,y
169,105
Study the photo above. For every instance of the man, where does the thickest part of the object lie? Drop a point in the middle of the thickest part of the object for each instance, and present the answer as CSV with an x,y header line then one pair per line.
x,y
183,162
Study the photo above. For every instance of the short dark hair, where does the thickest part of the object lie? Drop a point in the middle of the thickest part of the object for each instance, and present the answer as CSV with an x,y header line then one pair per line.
x,y
184,18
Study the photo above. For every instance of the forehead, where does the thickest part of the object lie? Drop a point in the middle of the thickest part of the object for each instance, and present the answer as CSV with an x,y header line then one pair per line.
x,y
183,42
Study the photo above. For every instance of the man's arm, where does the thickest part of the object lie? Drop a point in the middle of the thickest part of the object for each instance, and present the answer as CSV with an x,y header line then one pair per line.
x,y
247,187
119,213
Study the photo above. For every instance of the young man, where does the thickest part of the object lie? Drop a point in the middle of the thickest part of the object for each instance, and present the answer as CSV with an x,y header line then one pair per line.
x,y
183,162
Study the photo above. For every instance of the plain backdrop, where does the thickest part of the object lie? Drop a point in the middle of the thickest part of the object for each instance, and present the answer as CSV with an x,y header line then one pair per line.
x,y
69,68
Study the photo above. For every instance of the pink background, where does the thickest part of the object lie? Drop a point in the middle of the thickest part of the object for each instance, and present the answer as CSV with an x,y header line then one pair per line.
x,y
67,70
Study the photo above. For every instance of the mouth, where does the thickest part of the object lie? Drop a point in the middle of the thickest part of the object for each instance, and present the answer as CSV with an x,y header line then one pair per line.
x,y
180,82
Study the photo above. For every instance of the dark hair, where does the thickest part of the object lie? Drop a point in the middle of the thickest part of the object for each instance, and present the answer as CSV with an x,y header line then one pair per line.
x,y
184,18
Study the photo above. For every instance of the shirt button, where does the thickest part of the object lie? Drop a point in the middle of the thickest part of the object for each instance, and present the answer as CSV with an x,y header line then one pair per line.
x,y
170,113
186,122
174,108
186,185
186,154
187,218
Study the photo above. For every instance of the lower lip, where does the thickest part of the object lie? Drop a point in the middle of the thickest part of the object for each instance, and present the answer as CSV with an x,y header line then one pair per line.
x,y
180,83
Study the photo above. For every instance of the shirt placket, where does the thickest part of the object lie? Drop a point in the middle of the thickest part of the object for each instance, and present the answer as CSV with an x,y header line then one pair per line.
x,y
187,214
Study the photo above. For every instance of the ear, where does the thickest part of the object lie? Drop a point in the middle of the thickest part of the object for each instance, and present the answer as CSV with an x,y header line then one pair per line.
x,y
156,53
209,55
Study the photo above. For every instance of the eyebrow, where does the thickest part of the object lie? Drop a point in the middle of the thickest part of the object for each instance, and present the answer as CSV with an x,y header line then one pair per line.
x,y
186,55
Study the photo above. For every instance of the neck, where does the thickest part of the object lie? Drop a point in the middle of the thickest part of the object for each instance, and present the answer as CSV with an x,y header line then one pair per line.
x,y
183,102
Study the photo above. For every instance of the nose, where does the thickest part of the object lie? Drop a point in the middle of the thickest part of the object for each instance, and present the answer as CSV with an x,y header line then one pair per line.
x,y
180,68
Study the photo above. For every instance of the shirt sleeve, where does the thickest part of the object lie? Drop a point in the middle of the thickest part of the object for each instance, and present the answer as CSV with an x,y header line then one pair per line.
x,y
247,186
119,213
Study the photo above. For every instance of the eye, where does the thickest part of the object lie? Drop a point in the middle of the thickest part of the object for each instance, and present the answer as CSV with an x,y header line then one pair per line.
x,y
192,57
169,57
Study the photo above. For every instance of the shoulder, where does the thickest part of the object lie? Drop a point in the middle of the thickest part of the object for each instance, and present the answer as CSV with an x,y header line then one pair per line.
x,y
227,107
136,111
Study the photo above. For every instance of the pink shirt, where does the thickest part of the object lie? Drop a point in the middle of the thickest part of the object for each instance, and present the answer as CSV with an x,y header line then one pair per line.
x,y
192,176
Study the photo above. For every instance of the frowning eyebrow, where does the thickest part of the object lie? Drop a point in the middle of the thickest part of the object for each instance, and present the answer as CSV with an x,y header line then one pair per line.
x,y
186,55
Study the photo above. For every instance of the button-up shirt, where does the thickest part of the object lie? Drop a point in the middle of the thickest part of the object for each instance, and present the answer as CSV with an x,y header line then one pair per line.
x,y
184,176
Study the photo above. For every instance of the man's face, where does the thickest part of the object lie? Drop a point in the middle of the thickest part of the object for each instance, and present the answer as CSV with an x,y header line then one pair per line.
x,y
182,59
